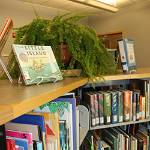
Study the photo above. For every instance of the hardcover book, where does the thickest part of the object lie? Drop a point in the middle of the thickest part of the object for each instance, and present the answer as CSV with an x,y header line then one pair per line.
x,y
37,64
107,107
120,106
127,104
114,103
101,107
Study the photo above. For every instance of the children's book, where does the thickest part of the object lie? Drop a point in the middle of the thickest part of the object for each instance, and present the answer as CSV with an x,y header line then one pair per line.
x,y
37,64
33,120
66,108
52,128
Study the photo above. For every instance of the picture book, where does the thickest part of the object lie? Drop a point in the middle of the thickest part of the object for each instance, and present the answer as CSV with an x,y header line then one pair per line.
x,y
66,108
52,128
37,64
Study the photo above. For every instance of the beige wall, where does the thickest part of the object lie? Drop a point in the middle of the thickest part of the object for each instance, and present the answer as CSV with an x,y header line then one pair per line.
x,y
22,13
134,21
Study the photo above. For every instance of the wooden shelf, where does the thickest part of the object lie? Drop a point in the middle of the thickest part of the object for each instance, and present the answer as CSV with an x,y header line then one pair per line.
x,y
118,124
141,73
22,99
16,100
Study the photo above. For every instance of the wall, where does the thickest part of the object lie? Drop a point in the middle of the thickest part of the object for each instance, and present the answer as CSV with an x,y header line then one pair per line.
x,y
22,13
134,21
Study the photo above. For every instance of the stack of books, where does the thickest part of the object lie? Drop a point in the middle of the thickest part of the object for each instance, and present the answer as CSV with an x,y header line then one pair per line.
x,y
132,137
119,105
48,127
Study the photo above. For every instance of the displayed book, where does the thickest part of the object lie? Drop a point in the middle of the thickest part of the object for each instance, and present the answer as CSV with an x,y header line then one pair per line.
x,y
126,49
37,64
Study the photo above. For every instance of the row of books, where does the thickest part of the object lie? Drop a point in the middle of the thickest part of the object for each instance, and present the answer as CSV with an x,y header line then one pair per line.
x,y
49,127
115,106
136,137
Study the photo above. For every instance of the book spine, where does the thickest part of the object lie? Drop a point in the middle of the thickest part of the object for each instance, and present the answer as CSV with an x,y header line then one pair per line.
x,y
107,108
120,106
137,105
92,110
114,107
101,106
126,104
134,106
96,106
143,108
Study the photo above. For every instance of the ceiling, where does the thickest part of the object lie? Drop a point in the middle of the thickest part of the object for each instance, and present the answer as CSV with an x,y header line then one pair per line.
x,y
77,7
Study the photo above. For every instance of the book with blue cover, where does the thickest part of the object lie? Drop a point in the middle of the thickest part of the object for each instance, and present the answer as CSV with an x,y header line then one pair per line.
x,y
37,64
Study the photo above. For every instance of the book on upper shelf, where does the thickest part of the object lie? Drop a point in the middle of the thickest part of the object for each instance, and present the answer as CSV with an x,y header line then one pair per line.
x,y
126,49
37,64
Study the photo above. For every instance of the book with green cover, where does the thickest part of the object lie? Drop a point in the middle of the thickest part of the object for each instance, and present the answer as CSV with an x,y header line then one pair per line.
x,y
37,64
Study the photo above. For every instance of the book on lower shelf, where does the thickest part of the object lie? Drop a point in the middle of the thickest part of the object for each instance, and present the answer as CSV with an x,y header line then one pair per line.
x,y
119,138
118,105
37,64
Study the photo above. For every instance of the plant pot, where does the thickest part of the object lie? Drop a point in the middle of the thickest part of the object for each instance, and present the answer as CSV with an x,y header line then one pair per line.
x,y
71,72
65,54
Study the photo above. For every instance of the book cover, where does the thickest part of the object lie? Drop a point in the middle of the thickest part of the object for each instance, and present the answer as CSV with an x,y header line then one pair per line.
x,y
67,112
52,128
114,107
37,64
107,107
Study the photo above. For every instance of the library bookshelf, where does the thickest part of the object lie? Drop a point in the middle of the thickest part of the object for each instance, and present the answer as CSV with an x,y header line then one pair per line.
x,y
16,100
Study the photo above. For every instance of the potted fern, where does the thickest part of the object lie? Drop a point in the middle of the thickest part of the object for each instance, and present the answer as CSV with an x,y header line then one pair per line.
x,y
85,50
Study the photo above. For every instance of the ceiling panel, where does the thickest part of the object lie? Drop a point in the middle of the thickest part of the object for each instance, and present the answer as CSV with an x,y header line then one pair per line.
x,y
77,7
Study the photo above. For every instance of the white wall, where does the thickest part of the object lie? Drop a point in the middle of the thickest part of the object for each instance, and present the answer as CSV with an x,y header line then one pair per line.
x,y
134,21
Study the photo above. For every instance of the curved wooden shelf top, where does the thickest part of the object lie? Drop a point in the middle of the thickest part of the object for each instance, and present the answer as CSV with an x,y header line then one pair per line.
x,y
16,100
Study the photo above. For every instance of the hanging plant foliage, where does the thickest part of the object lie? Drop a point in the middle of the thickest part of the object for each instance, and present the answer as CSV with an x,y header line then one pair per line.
x,y
88,52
